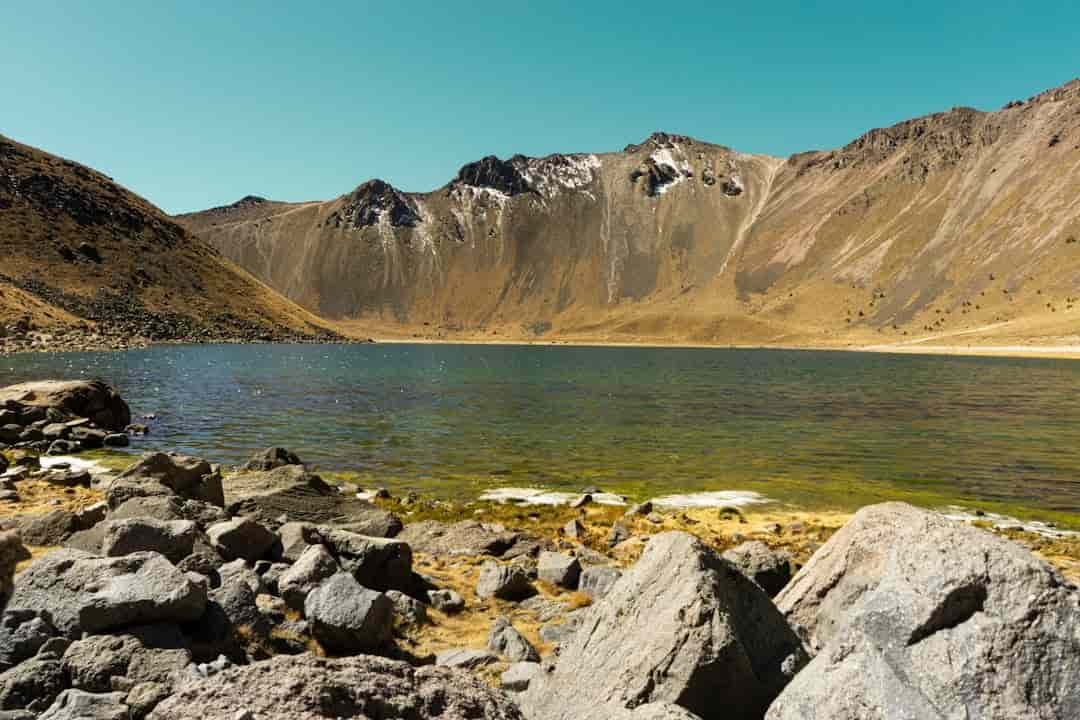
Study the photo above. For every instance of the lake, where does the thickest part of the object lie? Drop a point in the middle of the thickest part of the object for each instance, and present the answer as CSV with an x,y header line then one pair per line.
x,y
818,429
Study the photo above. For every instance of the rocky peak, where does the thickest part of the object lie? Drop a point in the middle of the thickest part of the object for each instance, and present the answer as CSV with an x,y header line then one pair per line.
x,y
491,172
368,203
659,140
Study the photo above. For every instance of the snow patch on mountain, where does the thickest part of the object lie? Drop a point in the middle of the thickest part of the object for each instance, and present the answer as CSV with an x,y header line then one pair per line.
x,y
554,174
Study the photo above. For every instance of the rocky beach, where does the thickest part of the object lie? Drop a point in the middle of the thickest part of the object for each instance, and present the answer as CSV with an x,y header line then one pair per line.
x,y
163,586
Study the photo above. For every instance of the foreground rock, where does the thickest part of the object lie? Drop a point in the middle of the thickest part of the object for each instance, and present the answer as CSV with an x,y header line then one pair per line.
x,y
346,617
467,537
83,593
682,626
305,687
770,569
94,400
157,474
12,553
918,616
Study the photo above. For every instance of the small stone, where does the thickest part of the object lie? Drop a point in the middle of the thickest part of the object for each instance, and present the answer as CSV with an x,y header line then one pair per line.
x,y
559,569
505,582
447,601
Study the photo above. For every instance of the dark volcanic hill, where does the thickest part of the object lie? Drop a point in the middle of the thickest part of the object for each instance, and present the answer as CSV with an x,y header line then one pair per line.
x,y
958,223
76,247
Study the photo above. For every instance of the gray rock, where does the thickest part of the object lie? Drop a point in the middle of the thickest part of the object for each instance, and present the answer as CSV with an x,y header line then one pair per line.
x,y
48,530
242,538
517,677
408,612
203,563
162,474
557,631
305,687
376,562
682,626
83,593
240,571
175,539
619,532
467,537
446,601
465,658
346,617
144,697
505,640
916,613
271,575
545,610
770,569
149,654
505,582
31,685
314,565
597,581
559,569
88,438
62,447
80,705
73,398
22,633
271,458
168,508
12,552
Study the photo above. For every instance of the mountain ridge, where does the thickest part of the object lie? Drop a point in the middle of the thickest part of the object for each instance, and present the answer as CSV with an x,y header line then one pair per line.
x,y
955,222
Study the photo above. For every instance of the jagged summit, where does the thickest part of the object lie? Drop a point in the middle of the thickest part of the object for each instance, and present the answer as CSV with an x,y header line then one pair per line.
x,y
491,172
372,201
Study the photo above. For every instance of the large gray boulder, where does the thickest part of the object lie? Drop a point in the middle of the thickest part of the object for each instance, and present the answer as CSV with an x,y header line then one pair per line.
x,y
305,687
682,626
167,474
313,566
505,582
83,593
598,580
919,616
242,539
559,569
147,654
770,569
174,539
377,563
467,537
73,398
346,617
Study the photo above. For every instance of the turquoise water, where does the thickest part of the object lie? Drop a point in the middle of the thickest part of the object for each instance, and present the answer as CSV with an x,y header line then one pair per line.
x,y
825,429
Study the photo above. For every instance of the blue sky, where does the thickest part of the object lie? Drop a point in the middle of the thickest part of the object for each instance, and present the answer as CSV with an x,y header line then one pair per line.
x,y
194,106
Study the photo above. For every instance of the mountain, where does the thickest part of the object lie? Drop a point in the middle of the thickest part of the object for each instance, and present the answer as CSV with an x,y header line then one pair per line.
x,y
961,223
78,249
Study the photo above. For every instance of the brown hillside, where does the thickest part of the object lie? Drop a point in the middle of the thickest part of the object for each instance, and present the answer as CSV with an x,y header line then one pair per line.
x,y
76,247
958,224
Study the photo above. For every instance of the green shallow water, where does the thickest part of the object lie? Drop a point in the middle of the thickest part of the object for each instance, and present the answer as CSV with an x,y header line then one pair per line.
x,y
817,429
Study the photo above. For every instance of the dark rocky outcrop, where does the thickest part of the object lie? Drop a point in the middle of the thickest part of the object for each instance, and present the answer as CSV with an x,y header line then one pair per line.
x,y
271,458
167,474
912,611
682,626
372,201
491,172
305,687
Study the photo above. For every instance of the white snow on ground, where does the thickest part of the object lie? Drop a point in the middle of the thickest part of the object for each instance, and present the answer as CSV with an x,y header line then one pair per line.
x,y
661,189
714,498
536,496
955,512
664,156
77,464
551,175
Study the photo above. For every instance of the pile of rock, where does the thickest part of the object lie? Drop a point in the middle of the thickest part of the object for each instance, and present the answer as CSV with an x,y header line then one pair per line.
x,y
60,417
163,586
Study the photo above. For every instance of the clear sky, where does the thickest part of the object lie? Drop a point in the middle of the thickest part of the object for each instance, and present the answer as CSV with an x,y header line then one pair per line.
x,y
193,105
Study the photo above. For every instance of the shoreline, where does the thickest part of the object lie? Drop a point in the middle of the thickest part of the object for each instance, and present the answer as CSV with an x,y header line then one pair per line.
x,y
1054,352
